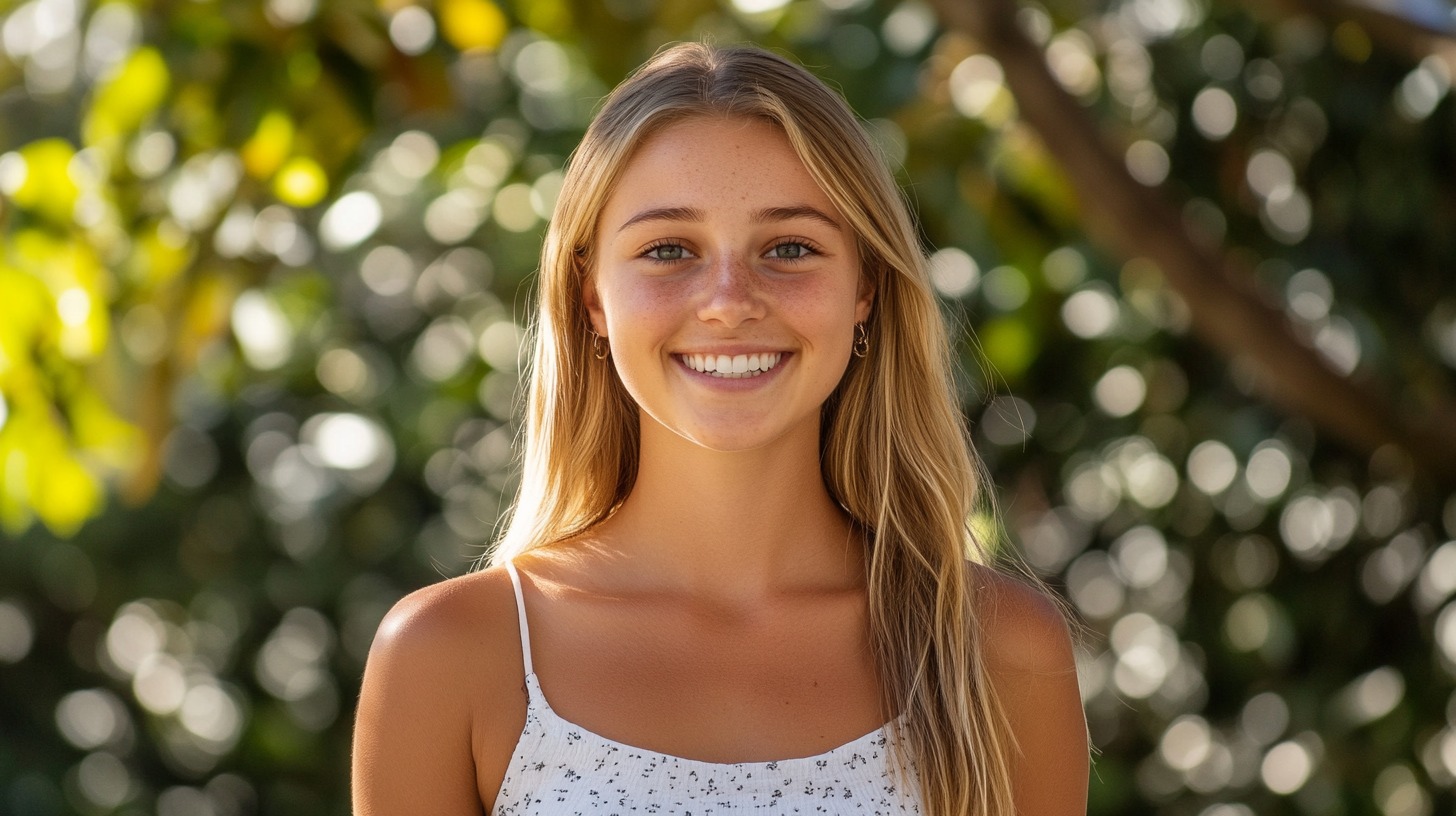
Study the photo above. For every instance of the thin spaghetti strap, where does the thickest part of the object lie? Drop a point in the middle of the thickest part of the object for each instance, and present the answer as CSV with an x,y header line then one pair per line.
x,y
521,616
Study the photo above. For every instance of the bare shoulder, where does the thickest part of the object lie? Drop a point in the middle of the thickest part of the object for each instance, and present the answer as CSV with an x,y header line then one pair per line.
x,y
457,626
1024,628
442,700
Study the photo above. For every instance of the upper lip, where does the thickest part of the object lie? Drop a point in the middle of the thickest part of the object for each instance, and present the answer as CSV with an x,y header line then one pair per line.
x,y
733,351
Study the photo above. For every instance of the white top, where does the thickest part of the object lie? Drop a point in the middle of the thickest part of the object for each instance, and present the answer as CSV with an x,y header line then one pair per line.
x,y
559,767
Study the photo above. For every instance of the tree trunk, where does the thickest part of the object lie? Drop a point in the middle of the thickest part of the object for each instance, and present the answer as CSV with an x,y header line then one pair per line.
x,y
1226,311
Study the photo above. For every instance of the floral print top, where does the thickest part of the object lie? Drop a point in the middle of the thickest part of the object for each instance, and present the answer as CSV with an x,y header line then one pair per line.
x,y
560,768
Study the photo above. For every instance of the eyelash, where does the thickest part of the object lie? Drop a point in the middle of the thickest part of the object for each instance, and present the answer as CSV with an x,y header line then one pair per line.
x,y
659,244
810,250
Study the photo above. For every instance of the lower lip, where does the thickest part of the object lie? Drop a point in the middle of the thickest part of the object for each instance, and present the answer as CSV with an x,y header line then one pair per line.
x,y
734,383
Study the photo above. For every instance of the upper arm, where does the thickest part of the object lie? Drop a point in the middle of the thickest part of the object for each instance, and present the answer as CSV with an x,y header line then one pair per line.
x,y
419,726
1033,669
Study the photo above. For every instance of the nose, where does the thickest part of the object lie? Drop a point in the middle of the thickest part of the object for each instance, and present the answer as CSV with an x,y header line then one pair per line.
x,y
732,293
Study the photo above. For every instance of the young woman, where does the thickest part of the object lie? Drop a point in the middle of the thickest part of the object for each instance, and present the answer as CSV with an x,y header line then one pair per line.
x,y
739,573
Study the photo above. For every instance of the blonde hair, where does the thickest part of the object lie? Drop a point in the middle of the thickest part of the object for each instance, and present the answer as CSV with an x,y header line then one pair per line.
x,y
894,449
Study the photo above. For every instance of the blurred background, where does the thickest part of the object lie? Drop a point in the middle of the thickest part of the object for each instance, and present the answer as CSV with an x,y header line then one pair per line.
x,y
265,274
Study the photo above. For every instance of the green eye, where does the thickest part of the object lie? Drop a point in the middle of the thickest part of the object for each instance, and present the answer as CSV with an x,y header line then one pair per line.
x,y
789,251
666,252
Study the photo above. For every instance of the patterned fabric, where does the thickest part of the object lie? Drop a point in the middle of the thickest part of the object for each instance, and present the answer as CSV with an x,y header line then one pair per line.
x,y
561,768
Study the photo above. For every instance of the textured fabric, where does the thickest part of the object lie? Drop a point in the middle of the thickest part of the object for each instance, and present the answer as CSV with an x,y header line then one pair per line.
x,y
561,768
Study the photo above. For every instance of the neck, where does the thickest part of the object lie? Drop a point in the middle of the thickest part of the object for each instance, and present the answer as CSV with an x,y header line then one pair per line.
x,y
741,524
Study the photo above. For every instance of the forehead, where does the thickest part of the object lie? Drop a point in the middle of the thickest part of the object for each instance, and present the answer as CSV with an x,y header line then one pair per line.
x,y
717,163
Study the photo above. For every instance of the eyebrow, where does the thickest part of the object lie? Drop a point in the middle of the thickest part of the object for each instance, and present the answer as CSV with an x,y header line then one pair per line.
x,y
664,214
791,213
763,216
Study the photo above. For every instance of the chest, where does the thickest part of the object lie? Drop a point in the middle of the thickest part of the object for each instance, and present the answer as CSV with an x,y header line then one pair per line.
x,y
794,680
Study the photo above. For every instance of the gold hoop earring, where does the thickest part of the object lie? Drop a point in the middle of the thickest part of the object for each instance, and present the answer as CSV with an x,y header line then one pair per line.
x,y
861,346
601,350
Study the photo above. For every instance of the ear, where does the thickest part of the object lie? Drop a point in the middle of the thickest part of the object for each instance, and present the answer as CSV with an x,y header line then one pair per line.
x,y
866,299
593,302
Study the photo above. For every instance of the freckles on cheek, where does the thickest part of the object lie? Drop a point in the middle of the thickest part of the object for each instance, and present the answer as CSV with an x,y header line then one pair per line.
x,y
638,307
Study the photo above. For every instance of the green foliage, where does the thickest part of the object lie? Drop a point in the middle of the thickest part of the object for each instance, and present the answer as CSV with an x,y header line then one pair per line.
x,y
263,282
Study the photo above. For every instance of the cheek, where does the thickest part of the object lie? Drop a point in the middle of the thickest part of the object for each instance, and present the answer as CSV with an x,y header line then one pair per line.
x,y
825,312
642,307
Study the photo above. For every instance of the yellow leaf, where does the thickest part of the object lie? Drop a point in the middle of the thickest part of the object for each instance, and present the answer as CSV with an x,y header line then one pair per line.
x,y
27,321
1009,346
301,182
48,188
206,313
550,17
128,97
66,493
473,24
102,436
269,145
77,283
195,110
15,513
158,257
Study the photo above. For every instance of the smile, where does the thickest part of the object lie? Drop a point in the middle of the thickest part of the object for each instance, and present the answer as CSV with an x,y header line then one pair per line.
x,y
739,366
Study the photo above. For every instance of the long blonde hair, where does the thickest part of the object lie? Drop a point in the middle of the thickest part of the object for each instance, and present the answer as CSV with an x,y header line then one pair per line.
x,y
894,450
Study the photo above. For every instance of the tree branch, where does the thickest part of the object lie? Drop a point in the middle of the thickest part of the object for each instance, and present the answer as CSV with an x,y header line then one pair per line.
x,y
1226,312
1387,28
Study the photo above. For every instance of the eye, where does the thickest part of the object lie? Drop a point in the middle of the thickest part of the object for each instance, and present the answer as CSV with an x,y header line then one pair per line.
x,y
666,252
791,251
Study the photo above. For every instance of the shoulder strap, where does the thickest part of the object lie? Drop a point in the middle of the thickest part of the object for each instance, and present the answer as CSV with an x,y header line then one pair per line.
x,y
521,616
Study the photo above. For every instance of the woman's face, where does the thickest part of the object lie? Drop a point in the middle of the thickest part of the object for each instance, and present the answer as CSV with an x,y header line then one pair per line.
x,y
727,285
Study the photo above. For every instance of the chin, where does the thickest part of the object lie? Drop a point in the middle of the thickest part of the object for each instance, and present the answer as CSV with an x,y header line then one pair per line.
x,y
726,435
730,441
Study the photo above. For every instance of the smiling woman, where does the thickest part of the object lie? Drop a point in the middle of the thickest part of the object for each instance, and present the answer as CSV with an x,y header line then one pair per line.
x,y
729,255
741,539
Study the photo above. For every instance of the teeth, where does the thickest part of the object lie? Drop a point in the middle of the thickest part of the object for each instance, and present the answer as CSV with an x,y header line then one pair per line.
x,y
738,367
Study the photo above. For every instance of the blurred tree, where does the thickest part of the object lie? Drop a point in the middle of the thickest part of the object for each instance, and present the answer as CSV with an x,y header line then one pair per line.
x,y
264,273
